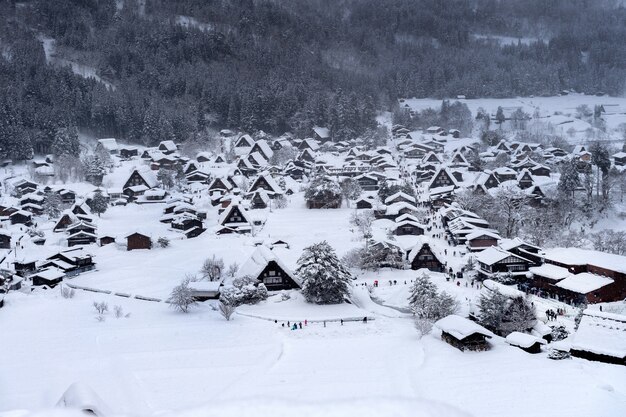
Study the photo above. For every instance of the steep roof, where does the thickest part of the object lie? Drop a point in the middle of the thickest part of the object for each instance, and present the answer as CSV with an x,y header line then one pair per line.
x,y
460,327
601,333
259,259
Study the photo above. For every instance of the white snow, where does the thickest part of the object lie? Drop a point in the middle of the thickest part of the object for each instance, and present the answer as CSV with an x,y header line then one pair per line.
x,y
584,282
601,333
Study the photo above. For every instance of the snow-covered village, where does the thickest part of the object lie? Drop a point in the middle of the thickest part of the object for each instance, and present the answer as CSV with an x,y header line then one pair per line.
x,y
449,256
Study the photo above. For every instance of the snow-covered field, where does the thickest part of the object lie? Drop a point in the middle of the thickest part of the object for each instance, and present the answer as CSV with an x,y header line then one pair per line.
x,y
558,111
159,360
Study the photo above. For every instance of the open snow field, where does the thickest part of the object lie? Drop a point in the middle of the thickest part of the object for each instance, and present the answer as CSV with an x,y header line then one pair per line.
x,y
159,360
558,111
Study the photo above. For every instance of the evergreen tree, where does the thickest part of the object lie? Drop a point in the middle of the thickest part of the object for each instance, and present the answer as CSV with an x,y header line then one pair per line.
x,y
519,316
94,169
500,118
427,304
325,279
350,189
52,205
492,310
66,142
98,203
166,177
570,179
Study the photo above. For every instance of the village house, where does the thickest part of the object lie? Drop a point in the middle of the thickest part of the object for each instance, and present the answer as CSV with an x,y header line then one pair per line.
x,y
494,260
5,240
526,342
266,267
108,145
49,277
463,333
71,261
234,219
481,239
138,240
422,256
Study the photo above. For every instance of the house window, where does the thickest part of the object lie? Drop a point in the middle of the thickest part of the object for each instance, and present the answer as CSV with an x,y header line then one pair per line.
x,y
272,280
513,268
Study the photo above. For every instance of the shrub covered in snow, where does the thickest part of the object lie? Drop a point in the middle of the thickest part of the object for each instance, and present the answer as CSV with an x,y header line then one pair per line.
x,y
163,242
503,315
558,354
325,279
182,298
245,290
559,333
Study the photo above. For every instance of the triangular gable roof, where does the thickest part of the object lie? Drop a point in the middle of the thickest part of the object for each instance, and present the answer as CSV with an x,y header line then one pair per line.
x,y
228,211
439,173
269,180
263,148
244,141
259,259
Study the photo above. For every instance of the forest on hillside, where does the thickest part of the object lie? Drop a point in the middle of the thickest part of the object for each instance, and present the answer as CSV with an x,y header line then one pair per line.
x,y
180,67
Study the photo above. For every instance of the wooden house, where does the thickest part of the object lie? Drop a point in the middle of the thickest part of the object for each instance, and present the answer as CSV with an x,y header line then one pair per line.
x,y
481,239
422,256
619,159
494,260
244,141
21,217
260,199
71,261
321,134
234,219
5,240
463,333
108,145
408,227
525,179
400,197
138,241
364,203
139,180
50,277
106,240
128,152
263,148
268,183
367,181
221,185
267,268
442,178
81,237
168,147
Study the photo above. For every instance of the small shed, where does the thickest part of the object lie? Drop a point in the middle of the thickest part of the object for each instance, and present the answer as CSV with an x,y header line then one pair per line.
x,y
463,333
50,276
526,342
601,337
138,241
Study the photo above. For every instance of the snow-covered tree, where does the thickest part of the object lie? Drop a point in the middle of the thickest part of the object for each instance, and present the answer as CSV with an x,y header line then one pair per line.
x,y
166,177
245,290
226,310
182,298
427,304
52,205
363,222
350,189
323,192
519,316
66,142
94,169
98,204
325,279
492,310
212,268
570,179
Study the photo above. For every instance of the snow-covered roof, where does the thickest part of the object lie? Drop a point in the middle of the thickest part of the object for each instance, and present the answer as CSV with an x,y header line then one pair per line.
x,y
482,232
577,256
601,333
401,195
584,283
550,271
50,273
493,254
523,340
110,144
322,132
169,145
259,259
81,397
460,327
505,290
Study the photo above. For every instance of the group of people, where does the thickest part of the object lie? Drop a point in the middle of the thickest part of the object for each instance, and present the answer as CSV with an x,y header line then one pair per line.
x,y
552,315
294,326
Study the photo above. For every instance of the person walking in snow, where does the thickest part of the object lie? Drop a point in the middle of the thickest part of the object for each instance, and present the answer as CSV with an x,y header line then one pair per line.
x,y
365,319
342,322
300,325
306,322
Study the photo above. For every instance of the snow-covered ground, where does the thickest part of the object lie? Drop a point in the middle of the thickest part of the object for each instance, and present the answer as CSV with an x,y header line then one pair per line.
x,y
159,360
558,111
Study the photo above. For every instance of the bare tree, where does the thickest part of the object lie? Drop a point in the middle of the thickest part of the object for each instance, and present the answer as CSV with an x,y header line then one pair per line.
x,y
101,307
226,310
212,268
182,298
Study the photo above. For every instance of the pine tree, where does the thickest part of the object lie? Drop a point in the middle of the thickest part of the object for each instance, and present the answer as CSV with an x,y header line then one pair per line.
x,y
98,203
66,142
519,316
52,205
166,177
570,180
325,279
94,169
427,304
492,310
